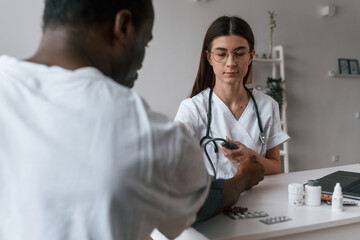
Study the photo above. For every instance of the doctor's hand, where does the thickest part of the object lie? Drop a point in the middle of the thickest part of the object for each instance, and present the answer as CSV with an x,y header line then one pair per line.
x,y
236,155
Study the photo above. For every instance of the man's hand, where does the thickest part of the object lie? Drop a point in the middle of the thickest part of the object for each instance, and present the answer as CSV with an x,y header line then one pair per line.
x,y
249,173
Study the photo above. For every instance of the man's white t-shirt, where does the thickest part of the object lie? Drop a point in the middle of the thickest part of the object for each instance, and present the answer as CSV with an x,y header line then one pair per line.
x,y
193,113
82,157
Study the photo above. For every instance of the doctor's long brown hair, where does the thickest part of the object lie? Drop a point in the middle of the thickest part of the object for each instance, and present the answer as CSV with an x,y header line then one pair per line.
x,y
223,26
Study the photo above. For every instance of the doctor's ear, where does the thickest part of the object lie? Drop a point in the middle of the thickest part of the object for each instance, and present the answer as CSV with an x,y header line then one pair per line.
x,y
252,55
208,57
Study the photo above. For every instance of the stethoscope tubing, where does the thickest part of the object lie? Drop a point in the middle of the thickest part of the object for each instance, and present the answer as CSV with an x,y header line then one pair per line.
x,y
213,140
207,154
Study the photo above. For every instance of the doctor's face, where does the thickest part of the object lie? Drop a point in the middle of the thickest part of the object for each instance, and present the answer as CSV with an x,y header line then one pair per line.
x,y
230,57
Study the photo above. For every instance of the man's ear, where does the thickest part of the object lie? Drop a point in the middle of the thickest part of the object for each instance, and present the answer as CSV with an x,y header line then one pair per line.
x,y
124,27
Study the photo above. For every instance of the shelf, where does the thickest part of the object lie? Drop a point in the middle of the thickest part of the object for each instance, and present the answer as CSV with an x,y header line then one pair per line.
x,y
261,60
277,64
339,75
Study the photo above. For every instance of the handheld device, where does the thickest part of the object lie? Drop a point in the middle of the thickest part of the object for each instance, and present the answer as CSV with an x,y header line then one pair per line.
x,y
225,143
229,145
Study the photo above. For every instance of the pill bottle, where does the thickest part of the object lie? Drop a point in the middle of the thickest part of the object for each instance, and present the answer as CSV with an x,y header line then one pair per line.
x,y
337,199
313,193
295,194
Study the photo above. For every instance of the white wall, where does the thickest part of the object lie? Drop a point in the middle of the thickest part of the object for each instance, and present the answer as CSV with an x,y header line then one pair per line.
x,y
320,109
20,26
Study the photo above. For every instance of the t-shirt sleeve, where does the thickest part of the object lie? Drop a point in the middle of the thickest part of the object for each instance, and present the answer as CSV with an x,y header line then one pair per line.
x,y
277,135
183,181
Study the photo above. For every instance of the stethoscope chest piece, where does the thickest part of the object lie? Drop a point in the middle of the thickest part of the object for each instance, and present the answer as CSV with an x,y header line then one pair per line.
x,y
262,138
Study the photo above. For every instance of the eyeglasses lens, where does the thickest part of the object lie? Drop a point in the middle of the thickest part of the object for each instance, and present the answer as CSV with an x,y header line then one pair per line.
x,y
239,55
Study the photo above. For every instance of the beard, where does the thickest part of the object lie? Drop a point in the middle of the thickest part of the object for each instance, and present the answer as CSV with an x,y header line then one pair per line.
x,y
126,69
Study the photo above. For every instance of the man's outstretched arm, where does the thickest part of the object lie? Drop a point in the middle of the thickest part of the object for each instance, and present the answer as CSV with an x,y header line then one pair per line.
x,y
224,194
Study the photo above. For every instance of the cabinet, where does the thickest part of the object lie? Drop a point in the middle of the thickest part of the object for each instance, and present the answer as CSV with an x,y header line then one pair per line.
x,y
278,70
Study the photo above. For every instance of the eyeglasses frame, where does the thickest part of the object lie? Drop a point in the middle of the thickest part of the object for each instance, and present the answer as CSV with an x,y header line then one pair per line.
x,y
227,56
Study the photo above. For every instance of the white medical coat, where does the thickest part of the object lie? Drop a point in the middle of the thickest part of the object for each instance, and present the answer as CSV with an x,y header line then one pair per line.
x,y
193,113
82,157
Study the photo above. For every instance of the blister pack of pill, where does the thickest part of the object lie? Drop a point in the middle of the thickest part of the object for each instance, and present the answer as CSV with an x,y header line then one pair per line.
x,y
273,220
247,214
345,203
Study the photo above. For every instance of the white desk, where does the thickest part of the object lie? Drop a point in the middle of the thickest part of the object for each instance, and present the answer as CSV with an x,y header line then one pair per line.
x,y
271,196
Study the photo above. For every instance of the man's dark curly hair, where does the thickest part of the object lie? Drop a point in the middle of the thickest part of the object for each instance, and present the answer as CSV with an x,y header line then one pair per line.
x,y
70,13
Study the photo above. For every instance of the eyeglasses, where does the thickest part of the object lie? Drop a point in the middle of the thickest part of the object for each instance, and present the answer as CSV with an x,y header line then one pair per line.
x,y
221,56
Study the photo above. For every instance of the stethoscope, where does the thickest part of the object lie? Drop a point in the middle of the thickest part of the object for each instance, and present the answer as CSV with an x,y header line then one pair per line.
x,y
207,138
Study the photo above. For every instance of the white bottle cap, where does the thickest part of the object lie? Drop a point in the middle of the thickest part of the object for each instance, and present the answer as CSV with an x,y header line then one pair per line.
x,y
337,199
296,188
337,189
313,193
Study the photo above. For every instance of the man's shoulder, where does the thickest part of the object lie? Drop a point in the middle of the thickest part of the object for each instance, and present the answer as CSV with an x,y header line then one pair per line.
x,y
6,59
105,86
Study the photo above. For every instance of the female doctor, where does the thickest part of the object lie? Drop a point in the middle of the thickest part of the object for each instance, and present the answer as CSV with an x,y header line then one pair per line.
x,y
220,106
